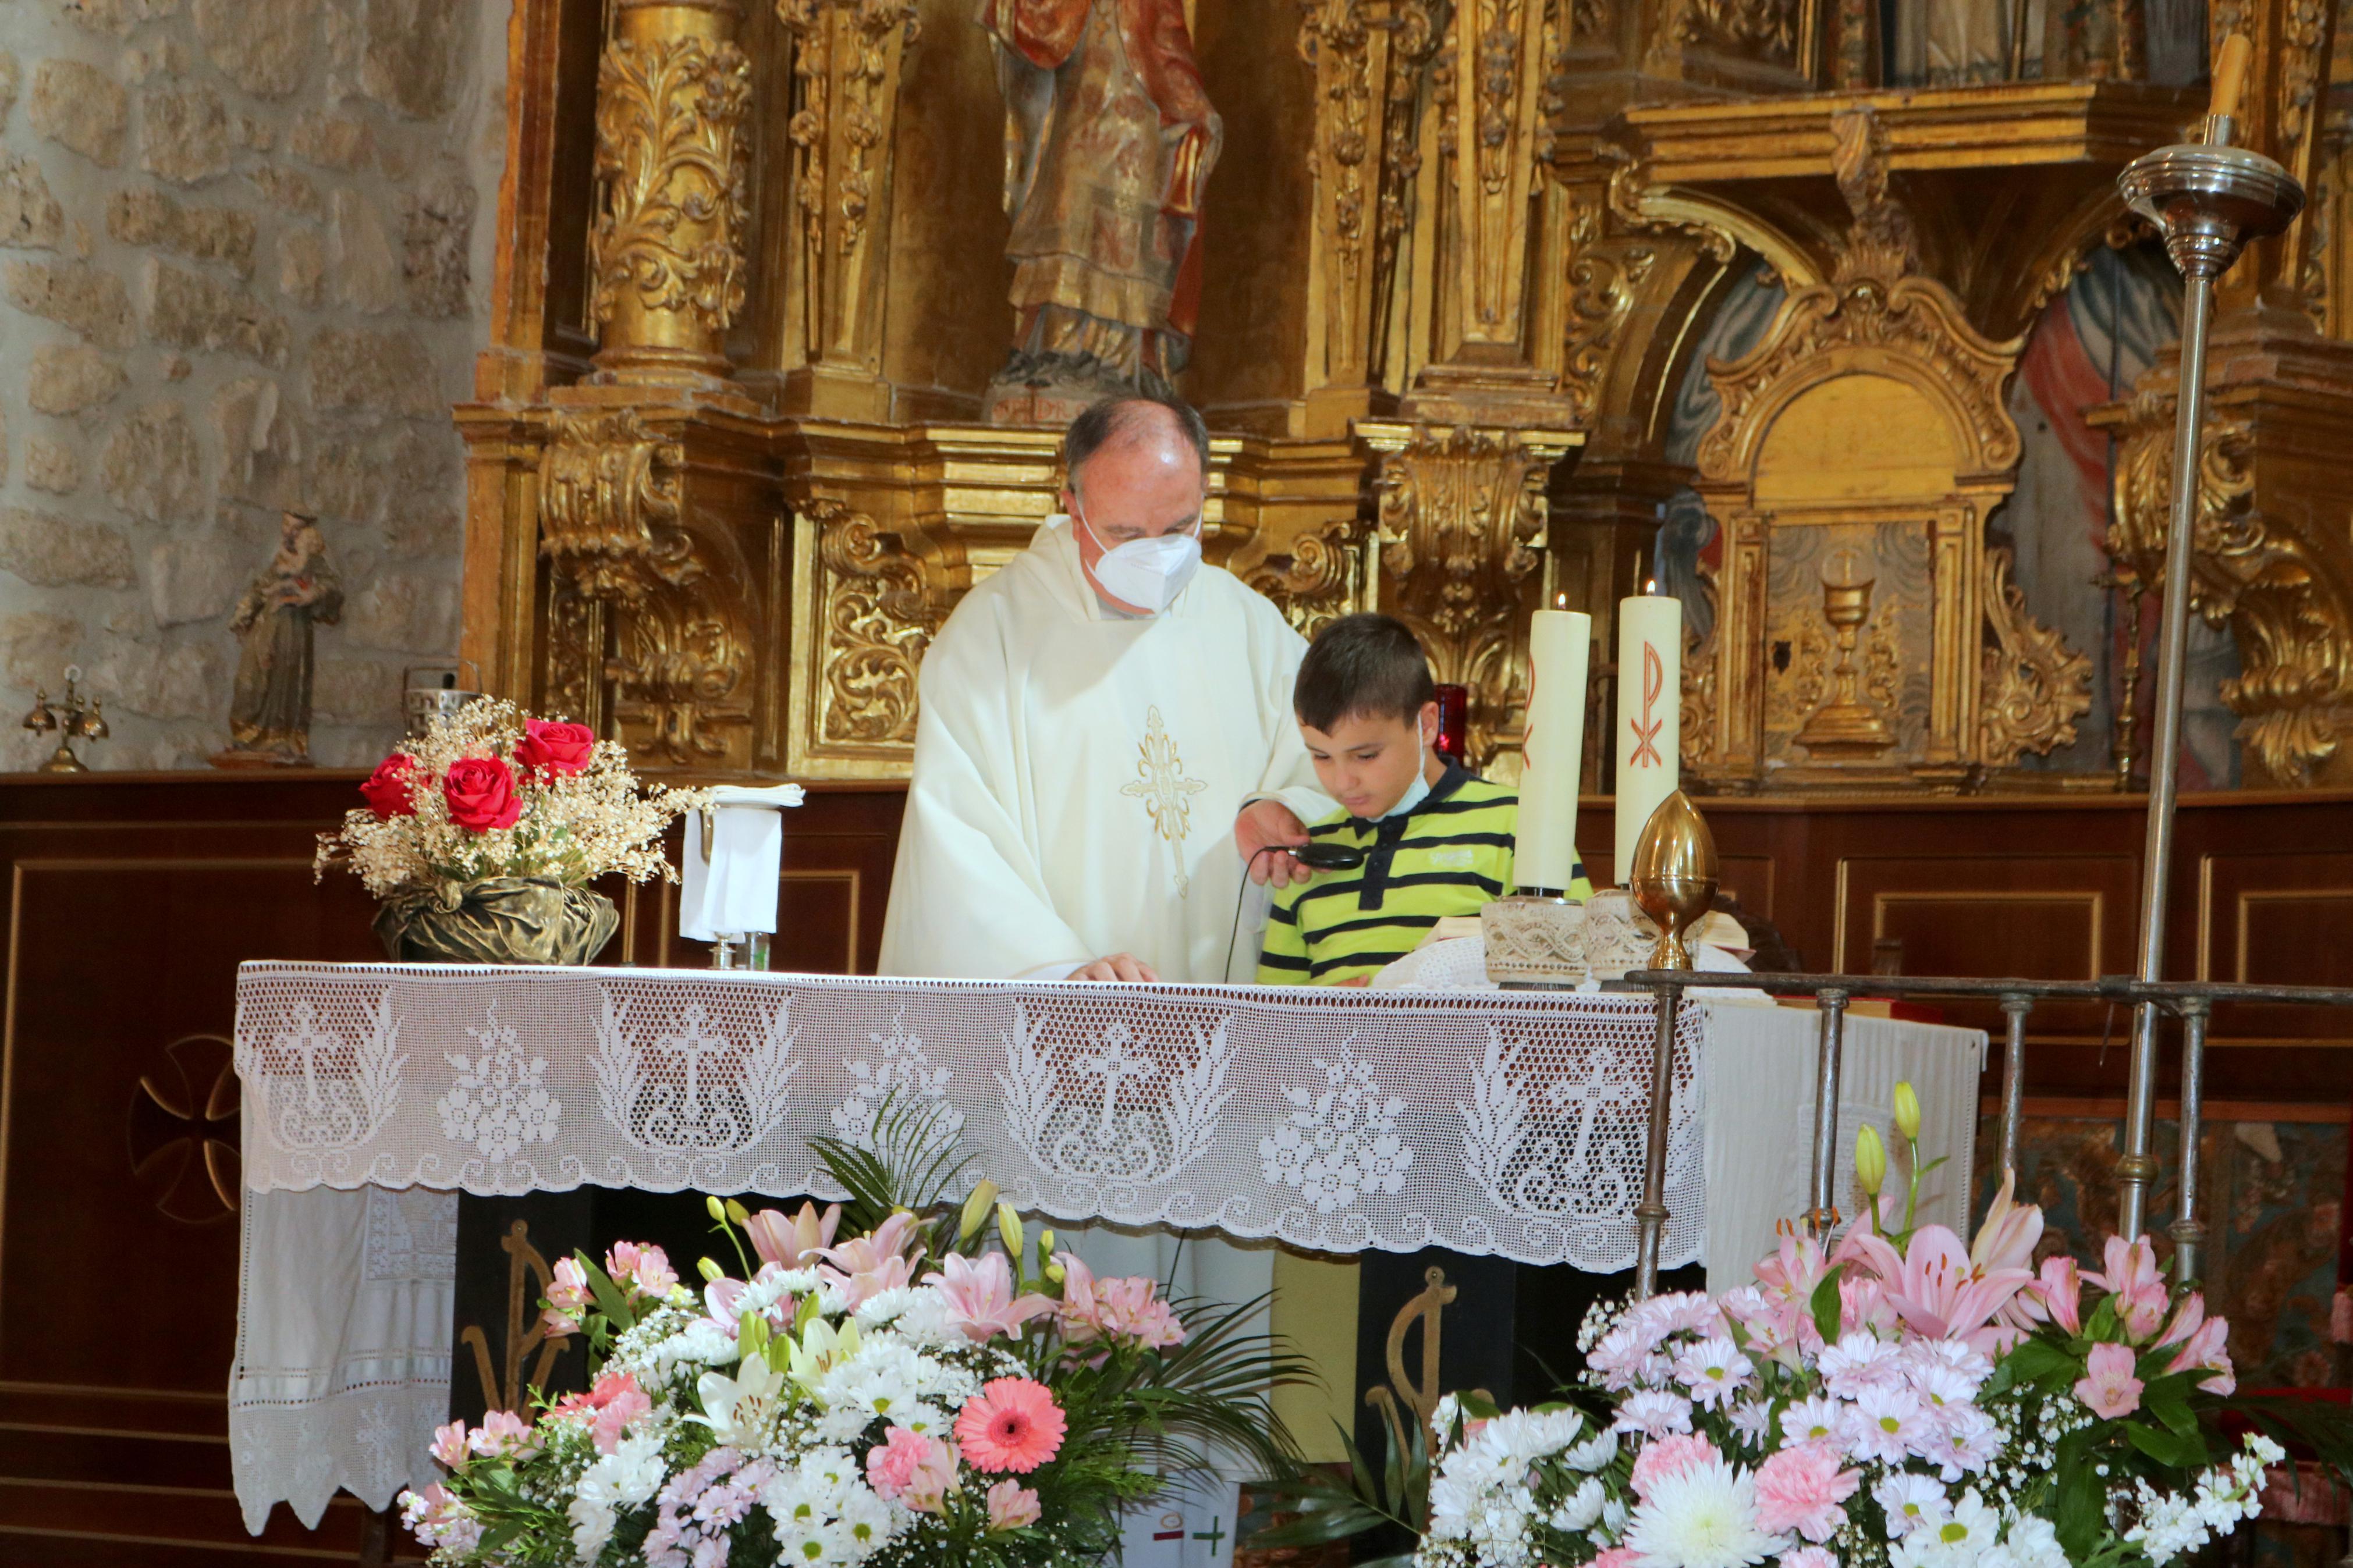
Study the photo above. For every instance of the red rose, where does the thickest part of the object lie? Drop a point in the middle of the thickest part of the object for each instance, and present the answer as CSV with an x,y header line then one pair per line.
x,y
549,748
481,794
390,790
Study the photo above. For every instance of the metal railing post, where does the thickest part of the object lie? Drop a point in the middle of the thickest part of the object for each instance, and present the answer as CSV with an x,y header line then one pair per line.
x,y
1823,1218
2188,1231
1650,1214
2015,1005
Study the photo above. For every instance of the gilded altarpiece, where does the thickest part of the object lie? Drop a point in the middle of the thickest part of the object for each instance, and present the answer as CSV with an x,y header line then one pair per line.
x,y
1451,305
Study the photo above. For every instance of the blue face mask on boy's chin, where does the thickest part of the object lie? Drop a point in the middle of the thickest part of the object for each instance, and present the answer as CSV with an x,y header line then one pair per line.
x,y
1415,793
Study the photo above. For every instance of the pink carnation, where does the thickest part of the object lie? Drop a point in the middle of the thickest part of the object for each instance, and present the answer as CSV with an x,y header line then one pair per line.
x,y
1618,1557
1011,1506
1014,1424
608,1408
910,1468
1800,1489
2108,1386
1663,1458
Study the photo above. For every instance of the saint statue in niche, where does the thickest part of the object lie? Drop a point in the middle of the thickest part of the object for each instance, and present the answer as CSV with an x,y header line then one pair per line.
x,y
269,716
1109,138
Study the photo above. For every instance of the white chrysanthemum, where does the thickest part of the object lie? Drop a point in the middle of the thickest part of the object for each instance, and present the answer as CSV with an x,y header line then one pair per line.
x,y
1452,1500
1912,1500
867,1521
1963,1540
2033,1544
1594,1453
1714,1370
1703,1517
1582,1507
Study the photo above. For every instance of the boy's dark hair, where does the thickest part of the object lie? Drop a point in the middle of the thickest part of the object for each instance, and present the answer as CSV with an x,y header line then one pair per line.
x,y
1368,665
1103,423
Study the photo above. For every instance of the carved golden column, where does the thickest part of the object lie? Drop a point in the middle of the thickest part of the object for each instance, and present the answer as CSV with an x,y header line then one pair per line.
x,y
2281,115
2274,561
666,256
1371,60
1462,543
847,58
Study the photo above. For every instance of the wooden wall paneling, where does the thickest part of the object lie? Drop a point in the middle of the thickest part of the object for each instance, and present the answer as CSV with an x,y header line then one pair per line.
x,y
130,903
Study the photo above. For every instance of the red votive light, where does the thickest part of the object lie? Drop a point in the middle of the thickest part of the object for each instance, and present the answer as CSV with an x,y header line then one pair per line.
x,y
1454,722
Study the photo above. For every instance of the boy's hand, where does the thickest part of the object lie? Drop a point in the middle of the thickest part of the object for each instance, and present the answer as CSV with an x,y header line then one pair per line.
x,y
1265,823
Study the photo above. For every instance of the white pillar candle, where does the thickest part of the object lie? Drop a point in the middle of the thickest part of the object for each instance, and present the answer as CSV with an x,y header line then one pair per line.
x,y
1650,708
1560,645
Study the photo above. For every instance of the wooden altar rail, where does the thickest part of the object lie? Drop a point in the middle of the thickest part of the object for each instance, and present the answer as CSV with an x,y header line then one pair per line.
x,y
2193,1004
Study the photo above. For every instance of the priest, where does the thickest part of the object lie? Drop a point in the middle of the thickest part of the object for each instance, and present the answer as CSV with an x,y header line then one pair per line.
x,y
1105,722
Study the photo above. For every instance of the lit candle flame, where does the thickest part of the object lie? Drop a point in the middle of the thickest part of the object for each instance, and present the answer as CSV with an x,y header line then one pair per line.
x,y
1651,585
1560,601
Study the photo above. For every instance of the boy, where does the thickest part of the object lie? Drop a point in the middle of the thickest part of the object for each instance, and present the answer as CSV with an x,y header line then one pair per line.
x,y
1436,839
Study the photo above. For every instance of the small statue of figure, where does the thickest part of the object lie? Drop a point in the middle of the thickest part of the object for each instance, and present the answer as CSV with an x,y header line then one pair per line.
x,y
270,717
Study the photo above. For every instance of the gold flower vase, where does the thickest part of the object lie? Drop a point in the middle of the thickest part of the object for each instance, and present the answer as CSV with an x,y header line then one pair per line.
x,y
506,920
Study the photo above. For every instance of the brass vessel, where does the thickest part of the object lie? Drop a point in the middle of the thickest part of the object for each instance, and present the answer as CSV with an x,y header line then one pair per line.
x,y
1674,875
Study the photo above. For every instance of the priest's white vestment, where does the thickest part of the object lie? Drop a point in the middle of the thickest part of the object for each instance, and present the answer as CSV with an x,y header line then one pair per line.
x,y
1077,776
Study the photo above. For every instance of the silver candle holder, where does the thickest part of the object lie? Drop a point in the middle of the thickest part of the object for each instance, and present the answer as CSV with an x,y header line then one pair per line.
x,y
2208,199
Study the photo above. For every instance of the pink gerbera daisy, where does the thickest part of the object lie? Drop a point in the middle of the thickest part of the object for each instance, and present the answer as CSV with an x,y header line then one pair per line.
x,y
1013,1425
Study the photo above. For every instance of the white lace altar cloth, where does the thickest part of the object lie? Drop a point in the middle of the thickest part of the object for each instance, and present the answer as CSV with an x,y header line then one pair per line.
x,y
1510,1125
1336,1111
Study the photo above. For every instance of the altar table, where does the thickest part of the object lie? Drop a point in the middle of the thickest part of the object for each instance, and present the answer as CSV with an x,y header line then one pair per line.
x,y
1507,1124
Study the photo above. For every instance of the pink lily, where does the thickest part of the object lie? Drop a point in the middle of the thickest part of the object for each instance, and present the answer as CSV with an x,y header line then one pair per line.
x,y
2208,1347
2186,1320
1939,1294
1796,1267
787,1239
866,1266
2058,1294
981,1300
2007,1238
2131,1275
2108,1386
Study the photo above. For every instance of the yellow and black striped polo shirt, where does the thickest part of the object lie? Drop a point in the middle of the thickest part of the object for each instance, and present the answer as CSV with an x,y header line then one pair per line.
x,y
1448,855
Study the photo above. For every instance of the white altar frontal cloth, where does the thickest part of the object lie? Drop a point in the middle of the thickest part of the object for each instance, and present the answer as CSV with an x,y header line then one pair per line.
x,y
1506,1125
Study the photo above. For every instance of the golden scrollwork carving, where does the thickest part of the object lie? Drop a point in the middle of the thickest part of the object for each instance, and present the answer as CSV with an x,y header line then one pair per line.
x,y
607,481
1838,329
1697,734
1318,578
1764,30
668,236
2283,584
1462,518
2033,685
847,58
878,617
1880,240
682,661
1604,277
1636,205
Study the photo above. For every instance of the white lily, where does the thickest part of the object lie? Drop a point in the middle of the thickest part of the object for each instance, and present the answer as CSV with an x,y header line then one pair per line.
x,y
741,1410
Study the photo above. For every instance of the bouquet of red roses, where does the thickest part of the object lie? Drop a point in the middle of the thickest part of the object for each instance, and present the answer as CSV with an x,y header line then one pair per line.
x,y
491,792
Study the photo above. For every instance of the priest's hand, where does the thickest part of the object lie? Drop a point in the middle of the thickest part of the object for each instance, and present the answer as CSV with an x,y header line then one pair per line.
x,y
1268,826
1116,966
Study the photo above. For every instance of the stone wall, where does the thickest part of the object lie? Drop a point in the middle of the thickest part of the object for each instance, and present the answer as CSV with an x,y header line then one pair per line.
x,y
245,259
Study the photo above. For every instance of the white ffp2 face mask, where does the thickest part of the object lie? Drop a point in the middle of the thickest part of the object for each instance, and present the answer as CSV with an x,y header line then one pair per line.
x,y
1147,573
